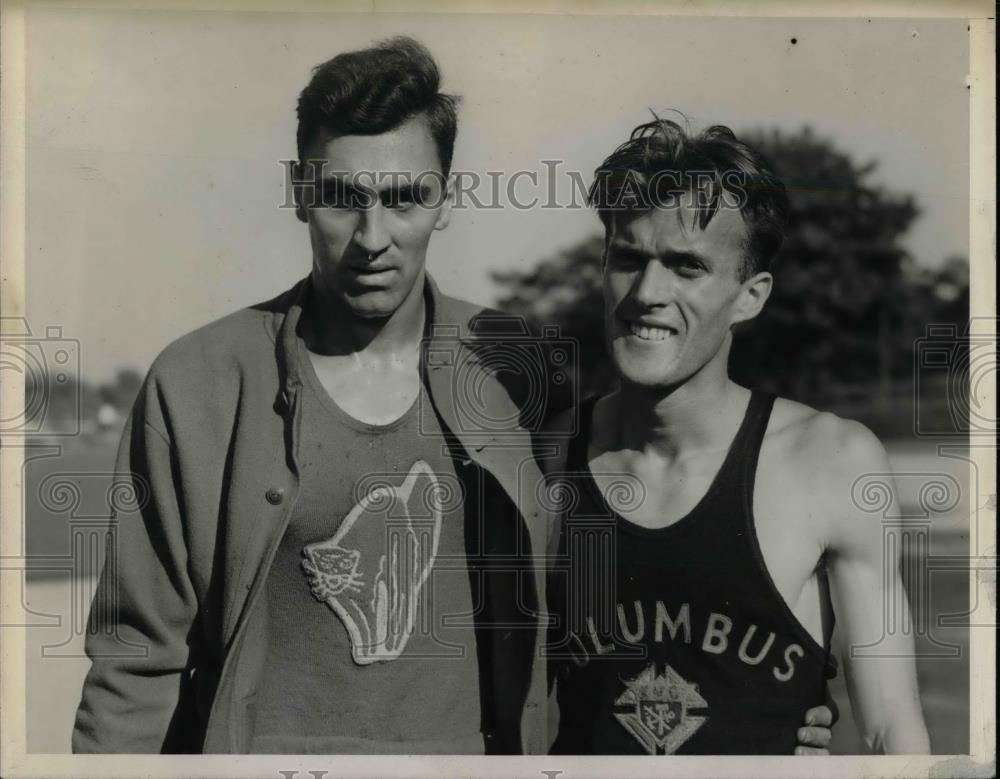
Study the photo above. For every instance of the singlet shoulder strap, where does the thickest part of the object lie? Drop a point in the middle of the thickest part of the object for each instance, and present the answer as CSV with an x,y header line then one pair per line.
x,y
731,492
576,461
748,443
743,451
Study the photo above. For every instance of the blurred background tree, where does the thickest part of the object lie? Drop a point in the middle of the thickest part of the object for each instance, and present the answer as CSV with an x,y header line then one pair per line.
x,y
73,404
848,303
121,393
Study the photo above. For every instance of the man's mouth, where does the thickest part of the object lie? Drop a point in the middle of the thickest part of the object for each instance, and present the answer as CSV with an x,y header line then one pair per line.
x,y
370,270
650,332
372,275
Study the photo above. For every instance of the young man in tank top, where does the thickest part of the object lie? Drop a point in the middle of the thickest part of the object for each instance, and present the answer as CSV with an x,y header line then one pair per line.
x,y
708,531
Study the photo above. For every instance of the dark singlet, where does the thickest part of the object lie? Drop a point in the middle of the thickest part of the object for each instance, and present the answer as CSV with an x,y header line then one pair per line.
x,y
675,640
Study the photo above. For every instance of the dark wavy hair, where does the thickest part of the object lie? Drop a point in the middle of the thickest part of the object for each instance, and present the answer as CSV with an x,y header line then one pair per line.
x,y
662,158
375,90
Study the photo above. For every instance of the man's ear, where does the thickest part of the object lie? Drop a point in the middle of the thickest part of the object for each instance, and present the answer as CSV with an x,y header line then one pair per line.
x,y
753,294
447,203
302,191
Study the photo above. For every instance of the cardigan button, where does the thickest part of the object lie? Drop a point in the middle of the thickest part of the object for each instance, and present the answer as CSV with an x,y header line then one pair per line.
x,y
275,495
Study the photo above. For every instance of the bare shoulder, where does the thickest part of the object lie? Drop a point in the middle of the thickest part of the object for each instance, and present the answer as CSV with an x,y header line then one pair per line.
x,y
824,462
807,440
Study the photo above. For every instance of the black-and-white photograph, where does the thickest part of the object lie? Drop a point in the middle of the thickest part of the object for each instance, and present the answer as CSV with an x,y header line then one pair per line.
x,y
567,385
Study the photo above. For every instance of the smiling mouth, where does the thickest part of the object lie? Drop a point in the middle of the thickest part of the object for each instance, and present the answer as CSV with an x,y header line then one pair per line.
x,y
650,333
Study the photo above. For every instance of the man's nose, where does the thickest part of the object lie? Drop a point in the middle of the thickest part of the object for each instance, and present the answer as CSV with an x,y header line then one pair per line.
x,y
654,285
371,234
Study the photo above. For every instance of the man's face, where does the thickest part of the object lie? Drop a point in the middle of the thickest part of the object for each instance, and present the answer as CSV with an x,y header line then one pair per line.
x,y
672,291
372,216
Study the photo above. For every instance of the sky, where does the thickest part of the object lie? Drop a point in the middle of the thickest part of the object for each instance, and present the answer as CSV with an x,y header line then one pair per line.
x,y
155,140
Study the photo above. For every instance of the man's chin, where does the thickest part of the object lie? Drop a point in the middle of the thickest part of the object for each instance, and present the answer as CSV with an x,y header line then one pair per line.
x,y
641,371
374,304
646,381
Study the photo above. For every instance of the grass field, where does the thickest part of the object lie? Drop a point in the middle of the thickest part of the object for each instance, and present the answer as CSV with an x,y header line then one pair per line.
x,y
56,664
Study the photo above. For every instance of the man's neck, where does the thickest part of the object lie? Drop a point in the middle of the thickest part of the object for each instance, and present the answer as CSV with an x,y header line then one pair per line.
x,y
669,422
330,329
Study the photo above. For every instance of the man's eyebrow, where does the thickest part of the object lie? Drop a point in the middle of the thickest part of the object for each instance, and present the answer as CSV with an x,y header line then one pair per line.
x,y
338,180
338,176
688,256
391,185
407,188
627,247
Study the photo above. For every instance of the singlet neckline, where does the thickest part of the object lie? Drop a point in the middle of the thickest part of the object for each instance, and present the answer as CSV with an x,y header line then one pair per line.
x,y
327,401
691,517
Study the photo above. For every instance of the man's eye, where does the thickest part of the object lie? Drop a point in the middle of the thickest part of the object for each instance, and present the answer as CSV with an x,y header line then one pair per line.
x,y
399,201
625,259
399,204
690,269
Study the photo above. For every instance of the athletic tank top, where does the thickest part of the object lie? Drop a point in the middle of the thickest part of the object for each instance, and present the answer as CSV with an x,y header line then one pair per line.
x,y
675,640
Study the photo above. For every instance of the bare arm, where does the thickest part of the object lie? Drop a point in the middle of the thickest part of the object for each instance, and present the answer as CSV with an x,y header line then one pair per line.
x,y
867,590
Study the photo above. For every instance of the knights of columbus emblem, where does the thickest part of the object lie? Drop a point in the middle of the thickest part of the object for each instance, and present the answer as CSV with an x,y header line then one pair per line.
x,y
661,706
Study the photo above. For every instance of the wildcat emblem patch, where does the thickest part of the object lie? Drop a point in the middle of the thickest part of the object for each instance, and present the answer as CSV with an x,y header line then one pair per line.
x,y
371,571
660,709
